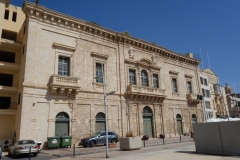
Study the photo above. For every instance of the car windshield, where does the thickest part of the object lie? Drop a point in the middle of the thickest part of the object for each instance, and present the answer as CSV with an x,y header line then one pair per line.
x,y
95,134
26,142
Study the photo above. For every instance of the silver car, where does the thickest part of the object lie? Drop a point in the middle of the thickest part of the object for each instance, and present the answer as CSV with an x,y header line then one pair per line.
x,y
23,147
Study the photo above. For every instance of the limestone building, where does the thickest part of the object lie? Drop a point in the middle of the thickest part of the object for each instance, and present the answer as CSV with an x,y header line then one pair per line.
x,y
62,86
11,68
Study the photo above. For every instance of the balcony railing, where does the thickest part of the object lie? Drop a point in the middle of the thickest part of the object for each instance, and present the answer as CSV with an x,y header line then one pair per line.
x,y
143,92
64,84
194,98
8,105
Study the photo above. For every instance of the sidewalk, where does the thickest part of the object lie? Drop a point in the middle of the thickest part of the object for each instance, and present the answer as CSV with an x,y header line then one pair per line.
x,y
63,152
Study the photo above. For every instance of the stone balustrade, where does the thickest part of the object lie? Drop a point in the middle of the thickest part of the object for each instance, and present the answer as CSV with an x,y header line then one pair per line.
x,y
64,84
193,98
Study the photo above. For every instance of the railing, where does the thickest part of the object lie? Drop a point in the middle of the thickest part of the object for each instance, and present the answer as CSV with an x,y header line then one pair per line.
x,y
8,105
145,90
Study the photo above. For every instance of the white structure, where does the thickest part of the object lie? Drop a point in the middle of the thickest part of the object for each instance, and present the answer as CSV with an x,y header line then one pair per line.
x,y
206,96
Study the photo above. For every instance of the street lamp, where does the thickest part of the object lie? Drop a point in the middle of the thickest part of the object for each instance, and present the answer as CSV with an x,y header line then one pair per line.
x,y
105,108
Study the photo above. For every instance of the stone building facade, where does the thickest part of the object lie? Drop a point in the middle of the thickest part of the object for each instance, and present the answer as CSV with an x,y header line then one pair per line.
x,y
62,90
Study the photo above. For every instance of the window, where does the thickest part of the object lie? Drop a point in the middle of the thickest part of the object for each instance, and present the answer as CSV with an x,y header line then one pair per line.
x,y
189,85
174,85
205,82
6,79
208,93
207,104
99,72
155,81
201,80
14,17
63,66
103,134
203,92
6,14
132,77
144,78
7,56
9,35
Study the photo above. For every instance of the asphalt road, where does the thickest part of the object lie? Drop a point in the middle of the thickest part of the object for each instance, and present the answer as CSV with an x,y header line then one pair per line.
x,y
40,156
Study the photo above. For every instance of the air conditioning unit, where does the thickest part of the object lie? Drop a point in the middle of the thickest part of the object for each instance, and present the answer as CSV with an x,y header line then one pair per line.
x,y
5,144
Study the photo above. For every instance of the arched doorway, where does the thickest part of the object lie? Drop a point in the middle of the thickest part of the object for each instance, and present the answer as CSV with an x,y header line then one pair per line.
x,y
100,122
62,124
179,124
194,118
147,121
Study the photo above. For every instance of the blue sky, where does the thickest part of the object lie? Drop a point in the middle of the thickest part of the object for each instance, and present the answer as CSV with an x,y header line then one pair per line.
x,y
179,25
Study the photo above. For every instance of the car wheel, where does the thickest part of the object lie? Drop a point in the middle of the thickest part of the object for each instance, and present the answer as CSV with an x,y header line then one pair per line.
x,y
9,154
34,154
91,143
85,146
113,141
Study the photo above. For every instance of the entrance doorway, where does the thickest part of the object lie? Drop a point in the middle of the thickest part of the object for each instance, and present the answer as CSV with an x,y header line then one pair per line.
x,y
179,124
194,118
147,121
100,122
62,124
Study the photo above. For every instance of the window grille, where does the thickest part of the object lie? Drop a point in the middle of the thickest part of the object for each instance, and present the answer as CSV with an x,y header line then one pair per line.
x,y
63,65
99,72
144,78
132,77
155,81
174,85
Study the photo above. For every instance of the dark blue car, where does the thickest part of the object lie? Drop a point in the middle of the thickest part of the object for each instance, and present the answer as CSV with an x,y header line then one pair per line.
x,y
99,138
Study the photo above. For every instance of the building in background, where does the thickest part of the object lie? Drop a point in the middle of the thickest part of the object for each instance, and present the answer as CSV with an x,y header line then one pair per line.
x,y
207,100
58,90
233,101
11,68
218,95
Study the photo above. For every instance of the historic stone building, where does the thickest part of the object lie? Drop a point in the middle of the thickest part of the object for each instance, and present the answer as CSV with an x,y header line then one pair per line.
x,y
62,89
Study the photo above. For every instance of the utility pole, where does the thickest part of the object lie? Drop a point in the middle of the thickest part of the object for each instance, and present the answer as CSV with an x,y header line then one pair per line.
x,y
236,100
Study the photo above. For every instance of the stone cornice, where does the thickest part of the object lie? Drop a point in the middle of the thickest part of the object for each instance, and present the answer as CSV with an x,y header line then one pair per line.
x,y
46,15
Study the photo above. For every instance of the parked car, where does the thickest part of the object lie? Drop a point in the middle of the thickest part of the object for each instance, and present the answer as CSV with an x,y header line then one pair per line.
x,y
0,151
99,138
22,147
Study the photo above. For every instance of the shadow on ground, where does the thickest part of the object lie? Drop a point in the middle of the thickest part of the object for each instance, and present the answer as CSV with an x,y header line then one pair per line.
x,y
209,154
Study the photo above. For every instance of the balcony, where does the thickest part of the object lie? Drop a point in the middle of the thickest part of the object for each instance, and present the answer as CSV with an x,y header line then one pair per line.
x,y
64,85
145,93
8,108
194,98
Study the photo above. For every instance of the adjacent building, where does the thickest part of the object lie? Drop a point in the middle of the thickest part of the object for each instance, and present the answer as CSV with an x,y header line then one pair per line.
x,y
61,64
218,95
207,101
11,68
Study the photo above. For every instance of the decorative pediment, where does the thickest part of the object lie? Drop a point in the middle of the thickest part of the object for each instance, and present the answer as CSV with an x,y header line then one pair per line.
x,y
188,76
173,72
145,61
64,47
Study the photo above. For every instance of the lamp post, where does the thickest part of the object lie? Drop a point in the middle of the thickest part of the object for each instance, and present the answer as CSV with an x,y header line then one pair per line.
x,y
105,108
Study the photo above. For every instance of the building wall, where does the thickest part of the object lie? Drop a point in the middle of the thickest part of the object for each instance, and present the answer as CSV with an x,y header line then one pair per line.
x,y
48,37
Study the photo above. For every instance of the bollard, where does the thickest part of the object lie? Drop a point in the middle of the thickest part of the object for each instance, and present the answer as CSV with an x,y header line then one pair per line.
x,y
144,142
29,156
180,138
162,136
73,149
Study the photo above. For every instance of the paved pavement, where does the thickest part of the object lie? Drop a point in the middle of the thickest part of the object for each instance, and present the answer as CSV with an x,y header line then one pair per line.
x,y
154,150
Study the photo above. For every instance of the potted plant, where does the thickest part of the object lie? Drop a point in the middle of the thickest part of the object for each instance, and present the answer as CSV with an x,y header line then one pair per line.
x,y
112,145
130,142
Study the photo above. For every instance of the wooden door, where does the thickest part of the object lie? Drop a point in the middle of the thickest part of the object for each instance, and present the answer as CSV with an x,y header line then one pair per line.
x,y
147,125
61,129
179,127
100,126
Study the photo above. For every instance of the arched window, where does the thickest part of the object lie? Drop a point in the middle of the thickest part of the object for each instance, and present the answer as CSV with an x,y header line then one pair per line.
x,y
144,78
